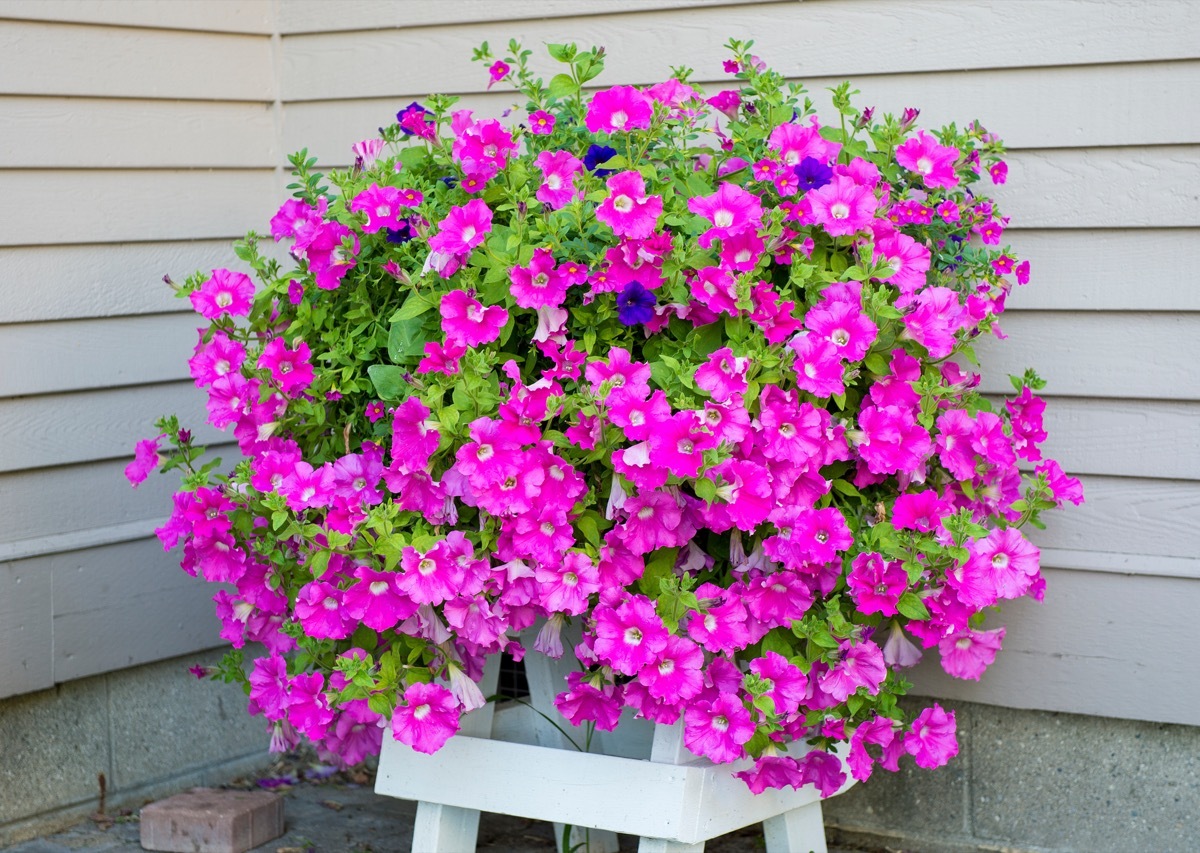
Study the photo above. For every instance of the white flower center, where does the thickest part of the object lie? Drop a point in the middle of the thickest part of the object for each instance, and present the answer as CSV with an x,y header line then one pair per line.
x,y
622,204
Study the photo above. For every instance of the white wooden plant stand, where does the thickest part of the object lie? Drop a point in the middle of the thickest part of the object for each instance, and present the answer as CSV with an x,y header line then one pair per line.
x,y
514,762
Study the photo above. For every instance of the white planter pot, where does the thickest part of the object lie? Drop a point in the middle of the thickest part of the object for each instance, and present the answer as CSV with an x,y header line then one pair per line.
x,y
642,782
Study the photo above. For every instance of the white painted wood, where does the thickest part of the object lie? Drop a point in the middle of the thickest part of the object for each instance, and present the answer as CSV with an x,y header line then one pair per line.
x,y
1077,188
72,133
120,62
244,16
1131,269
60,429
692,802
667,748
78,540
312,16
1100,644
79,354
661,845
118,606
793,38
1125,515
547,678
796,831
440,828
1133,356
26,635
33,501
1015,103
1134,438
68,282
1076,111
139,205
1122,564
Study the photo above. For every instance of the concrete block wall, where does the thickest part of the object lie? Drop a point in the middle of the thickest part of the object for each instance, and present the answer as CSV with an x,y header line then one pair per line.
x,y
1036,781
151,730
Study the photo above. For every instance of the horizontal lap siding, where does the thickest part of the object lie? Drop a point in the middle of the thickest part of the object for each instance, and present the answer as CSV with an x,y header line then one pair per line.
x,y
1104,164
139,138
802,39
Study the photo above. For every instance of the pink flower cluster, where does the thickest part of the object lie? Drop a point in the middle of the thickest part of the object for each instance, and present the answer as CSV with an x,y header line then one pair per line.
x,y
707,408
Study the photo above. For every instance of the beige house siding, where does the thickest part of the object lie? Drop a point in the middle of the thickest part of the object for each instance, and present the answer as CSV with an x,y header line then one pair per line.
x,y
136,139
1094,99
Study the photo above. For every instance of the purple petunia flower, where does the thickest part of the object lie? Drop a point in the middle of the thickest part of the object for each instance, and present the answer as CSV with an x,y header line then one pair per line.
x,y
597,154
812,174
635,304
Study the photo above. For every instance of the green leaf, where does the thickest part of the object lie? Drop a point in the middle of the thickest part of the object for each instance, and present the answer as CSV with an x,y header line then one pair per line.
x,y
562,52
388,380
876,363
413,157
319,562
406,340
845,487
777,641
705,489
414,306
659,566
561,86
589,528
913,607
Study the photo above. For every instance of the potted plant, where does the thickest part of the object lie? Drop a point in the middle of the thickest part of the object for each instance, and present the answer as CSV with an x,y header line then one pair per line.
x,y
691,371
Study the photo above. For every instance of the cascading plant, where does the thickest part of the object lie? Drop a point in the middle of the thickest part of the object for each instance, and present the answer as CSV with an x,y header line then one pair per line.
x,y
692,373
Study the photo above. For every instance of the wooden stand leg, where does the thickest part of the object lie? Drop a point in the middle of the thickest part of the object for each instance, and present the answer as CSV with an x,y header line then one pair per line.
x,y
446,829
798,831
668,748
547,678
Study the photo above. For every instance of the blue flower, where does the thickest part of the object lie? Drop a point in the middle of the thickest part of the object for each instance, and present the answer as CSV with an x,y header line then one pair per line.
x,y
812,174
596,155
400,235
635,304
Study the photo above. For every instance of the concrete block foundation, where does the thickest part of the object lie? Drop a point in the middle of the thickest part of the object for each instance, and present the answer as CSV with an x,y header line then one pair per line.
x,y
1036,781
151,731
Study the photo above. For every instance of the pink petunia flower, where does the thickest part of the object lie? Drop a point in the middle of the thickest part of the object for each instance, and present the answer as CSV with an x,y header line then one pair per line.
x,y
876,584
730,209
842,207
224,292
541,123
630,636
628,210
933,162
464,228
717,729
931,739
966,654
559,169
538,285
861,665
146,458
290,369
466,321
619,108
427,719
